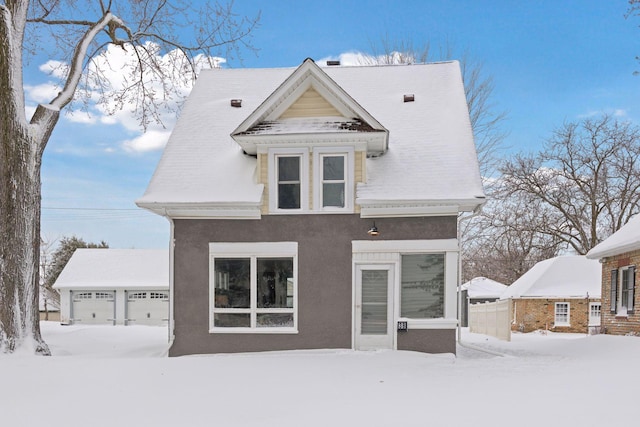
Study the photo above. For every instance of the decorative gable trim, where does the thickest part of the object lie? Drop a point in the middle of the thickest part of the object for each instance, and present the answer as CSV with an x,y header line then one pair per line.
x,y
272,117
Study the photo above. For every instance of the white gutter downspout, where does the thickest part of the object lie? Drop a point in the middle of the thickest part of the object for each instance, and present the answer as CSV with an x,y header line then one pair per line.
x,y
473,214
172,243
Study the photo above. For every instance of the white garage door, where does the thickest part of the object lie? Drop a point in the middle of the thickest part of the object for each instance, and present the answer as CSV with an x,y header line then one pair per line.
x,y
147,307
93,307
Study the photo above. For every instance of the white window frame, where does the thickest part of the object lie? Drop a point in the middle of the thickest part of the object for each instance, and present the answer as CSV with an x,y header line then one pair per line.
x,y
349,178
272,164
592,309
622,292
253,251
558,322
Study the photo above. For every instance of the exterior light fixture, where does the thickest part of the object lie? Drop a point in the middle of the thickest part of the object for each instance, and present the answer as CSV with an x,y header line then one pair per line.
x,y
373,231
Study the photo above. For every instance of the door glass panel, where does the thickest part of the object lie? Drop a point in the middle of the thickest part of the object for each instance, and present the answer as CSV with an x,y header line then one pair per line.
x,y
374,302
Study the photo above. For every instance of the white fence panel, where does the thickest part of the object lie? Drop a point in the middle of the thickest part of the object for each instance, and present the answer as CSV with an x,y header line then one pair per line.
x,y
491,318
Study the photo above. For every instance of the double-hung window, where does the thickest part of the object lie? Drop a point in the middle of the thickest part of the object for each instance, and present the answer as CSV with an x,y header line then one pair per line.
x,y
622,295
561,314
253,287
288,182
422,286
333,179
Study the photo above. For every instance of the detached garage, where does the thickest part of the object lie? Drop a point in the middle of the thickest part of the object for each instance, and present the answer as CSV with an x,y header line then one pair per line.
x,y
115,287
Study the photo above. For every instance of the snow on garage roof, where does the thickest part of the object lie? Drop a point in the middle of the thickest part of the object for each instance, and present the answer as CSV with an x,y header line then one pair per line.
x,y
561,277
431,155
481,287
115,268
626,239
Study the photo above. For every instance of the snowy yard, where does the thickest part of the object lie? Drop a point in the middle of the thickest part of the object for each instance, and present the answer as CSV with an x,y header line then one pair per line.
x,y
120,376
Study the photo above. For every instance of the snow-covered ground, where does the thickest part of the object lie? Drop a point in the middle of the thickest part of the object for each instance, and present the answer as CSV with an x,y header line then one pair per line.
x,y
120,376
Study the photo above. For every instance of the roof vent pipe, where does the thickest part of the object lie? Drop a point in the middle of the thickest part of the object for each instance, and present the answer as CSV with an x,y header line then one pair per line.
x,y
409,98
333,63
237,103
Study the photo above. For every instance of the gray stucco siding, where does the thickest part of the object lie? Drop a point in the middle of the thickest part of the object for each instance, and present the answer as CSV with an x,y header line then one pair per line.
x,y
324,279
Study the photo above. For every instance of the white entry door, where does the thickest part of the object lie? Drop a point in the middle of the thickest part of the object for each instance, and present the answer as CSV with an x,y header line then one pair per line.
x,y
374,307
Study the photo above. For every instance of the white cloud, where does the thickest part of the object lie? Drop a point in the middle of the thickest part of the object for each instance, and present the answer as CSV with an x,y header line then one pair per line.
x,y
42,93
616,112
151,140
107,86
360,58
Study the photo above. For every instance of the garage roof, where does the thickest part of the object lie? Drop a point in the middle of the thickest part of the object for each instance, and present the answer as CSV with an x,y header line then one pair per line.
x,y
116,268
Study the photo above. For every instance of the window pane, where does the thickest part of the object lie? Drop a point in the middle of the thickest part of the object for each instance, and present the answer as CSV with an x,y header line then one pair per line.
x,y
288,168
289,196
275,282
275,320
422,286
232,320
333,195
333,168
232,283
374,302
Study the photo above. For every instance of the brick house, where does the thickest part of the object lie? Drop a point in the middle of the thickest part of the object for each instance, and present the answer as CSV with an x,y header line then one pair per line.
x,y
560,294
619,255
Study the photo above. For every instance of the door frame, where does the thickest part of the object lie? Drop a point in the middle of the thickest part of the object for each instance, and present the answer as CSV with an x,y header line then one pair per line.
x,y
379,342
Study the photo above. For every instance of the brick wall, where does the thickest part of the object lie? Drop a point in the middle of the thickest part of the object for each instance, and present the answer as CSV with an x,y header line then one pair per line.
x,y
534,314
613,323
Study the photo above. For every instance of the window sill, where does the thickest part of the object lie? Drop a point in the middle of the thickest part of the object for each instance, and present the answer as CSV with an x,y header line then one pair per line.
x,y
253,331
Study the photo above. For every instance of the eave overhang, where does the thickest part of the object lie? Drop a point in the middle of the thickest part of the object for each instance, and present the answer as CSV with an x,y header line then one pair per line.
x,y
176,210
407,208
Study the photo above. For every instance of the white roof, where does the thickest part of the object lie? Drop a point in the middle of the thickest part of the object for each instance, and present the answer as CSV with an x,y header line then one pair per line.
x,y
626,239
560,277
116,268
431,155
481,287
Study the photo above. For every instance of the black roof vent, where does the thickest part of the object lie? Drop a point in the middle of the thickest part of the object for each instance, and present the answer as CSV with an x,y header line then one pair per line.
x,y
333,63
409,97
236,103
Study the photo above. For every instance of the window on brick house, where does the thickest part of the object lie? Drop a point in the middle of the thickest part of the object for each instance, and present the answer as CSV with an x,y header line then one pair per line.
x,y
623,282
562,314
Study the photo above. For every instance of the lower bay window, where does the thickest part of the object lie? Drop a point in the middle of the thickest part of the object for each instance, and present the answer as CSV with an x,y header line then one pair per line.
x,y
253,287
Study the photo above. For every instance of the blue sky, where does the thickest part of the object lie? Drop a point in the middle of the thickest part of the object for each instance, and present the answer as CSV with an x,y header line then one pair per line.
x,y
551,61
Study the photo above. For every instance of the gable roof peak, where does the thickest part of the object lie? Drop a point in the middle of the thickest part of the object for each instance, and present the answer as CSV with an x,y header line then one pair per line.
x,y
309,76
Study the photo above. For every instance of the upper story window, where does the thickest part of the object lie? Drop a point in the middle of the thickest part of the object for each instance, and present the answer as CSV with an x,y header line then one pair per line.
x,y
289,184
325,184
333,180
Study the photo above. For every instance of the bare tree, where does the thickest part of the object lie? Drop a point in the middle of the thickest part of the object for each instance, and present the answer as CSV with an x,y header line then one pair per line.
x,y
634,10
505,242
81,32
588,178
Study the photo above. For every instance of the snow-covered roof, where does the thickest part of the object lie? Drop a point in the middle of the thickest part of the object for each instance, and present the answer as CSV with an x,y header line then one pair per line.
x,y
115,268
626,239
560,277
481,287
431,155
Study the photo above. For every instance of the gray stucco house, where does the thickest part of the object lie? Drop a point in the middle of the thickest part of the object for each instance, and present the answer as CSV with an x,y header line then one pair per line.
x,y
316,207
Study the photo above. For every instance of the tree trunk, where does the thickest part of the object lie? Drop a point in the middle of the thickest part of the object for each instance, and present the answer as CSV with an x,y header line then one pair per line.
x,y
20,201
